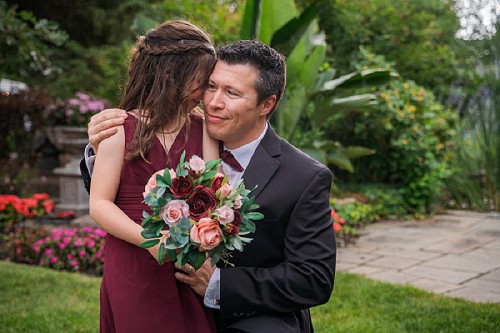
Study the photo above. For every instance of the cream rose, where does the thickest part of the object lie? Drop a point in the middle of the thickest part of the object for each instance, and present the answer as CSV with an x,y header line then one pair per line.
x,y
237,202
174,211
225,190
197,164
206,232
225,214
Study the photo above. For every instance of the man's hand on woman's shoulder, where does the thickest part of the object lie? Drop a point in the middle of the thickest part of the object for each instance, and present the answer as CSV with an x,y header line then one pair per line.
x,y
103,125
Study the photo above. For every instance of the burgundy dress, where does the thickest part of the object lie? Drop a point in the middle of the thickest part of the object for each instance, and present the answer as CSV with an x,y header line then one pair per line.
x,y
137,294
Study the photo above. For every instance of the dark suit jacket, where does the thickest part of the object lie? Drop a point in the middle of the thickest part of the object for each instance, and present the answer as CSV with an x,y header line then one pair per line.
x,y
290,264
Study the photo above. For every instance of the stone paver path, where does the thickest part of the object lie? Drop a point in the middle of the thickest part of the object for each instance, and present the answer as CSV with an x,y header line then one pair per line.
x,y
456,254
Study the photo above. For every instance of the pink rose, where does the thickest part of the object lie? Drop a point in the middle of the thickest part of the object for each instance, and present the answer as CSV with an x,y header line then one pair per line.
x,y
225,215
207,233
174,211
197,164
237,202
152,181
225,190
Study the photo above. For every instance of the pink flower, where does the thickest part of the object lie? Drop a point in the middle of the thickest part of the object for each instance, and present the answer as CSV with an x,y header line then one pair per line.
x,y
237,202
81,254
70,256
197,164
91,244
53,260
225,215
98,254
174,211
73,263
152,181
47,252
225,190
207,233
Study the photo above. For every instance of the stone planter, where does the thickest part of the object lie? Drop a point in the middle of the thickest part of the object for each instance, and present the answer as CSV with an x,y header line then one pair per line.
x,y
72,194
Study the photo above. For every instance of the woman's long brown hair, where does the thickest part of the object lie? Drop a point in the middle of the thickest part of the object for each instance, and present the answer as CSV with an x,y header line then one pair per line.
x,y
168,65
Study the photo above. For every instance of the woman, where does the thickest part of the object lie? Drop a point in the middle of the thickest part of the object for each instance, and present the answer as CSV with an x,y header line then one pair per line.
x,y
166,77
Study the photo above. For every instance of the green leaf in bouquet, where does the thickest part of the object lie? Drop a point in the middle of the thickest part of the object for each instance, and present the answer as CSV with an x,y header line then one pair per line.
x,y
246,204
212,165
181,259
178,235
208,175
159,228
214,259
148,234
166,177
255,216
162,201
254,207
247,226
245,240
147,219
171,253
161,253
160,192
237,243
149,243
196,258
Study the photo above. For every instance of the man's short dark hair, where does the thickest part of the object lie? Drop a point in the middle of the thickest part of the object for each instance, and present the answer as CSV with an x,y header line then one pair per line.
x,y
269,62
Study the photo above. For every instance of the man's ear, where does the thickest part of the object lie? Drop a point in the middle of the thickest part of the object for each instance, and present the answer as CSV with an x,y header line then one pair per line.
x,y
267,105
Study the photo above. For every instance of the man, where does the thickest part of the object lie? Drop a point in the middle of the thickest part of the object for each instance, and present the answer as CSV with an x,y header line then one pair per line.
x,y
290,264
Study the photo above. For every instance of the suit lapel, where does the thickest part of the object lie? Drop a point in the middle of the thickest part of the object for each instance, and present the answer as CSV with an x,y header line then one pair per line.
x,y
264,163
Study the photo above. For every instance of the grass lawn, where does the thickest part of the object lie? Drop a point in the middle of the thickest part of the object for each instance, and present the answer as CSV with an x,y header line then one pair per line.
x,y
36,299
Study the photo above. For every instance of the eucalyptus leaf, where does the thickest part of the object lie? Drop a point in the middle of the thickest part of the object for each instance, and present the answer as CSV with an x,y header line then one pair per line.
x,y
149,243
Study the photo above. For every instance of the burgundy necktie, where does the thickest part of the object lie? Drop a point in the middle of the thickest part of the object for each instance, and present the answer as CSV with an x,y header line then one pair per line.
x,y
227,157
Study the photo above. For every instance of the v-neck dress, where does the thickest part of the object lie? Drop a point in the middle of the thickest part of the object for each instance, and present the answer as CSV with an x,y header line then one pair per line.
x,y
137,294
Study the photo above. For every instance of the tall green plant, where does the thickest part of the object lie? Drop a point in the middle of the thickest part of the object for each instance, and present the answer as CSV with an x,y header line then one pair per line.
x,y
476,181
311,84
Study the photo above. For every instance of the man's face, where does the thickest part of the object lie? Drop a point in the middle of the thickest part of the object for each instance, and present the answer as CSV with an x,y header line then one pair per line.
x,y
231,111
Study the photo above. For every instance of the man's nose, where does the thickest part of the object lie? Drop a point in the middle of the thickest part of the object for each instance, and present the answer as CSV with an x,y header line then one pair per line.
x,y
216,100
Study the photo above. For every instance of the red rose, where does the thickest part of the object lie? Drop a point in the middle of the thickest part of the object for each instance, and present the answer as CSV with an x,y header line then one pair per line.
x,y
217,181
181,187
202,201
237,218
231,229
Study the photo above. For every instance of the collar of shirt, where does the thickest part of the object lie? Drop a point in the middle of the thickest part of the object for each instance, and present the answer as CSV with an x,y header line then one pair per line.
x,y
243,155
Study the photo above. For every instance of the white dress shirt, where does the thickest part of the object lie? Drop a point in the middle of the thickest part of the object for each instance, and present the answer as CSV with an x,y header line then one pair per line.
x,y
243,155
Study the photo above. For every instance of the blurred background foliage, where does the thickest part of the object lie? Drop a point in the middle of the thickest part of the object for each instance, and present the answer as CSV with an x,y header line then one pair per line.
x,y
394,96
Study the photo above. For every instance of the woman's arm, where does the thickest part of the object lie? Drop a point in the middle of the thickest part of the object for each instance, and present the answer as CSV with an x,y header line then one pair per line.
x,y
105,183
210,145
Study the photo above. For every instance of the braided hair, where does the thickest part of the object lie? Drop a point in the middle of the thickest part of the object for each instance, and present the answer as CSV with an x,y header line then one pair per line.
x,y
168,65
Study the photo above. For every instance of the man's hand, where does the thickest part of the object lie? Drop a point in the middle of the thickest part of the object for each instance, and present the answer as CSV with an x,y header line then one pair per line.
x,y
198,280
103,125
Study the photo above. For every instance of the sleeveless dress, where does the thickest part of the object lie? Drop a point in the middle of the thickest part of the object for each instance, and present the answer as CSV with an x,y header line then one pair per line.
x,y
137,294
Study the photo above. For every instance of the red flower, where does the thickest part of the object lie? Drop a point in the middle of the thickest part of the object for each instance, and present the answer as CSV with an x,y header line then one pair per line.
x,y
217,182
48,205
232,229
40,196
337,227
202,201
237,218
66,214
181,187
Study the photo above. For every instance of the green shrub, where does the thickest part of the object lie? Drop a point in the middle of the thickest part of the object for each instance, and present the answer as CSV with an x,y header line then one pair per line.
x,y
411,134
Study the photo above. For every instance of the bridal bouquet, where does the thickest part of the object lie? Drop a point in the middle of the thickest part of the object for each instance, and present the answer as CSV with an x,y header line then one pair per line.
x,y
197,213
